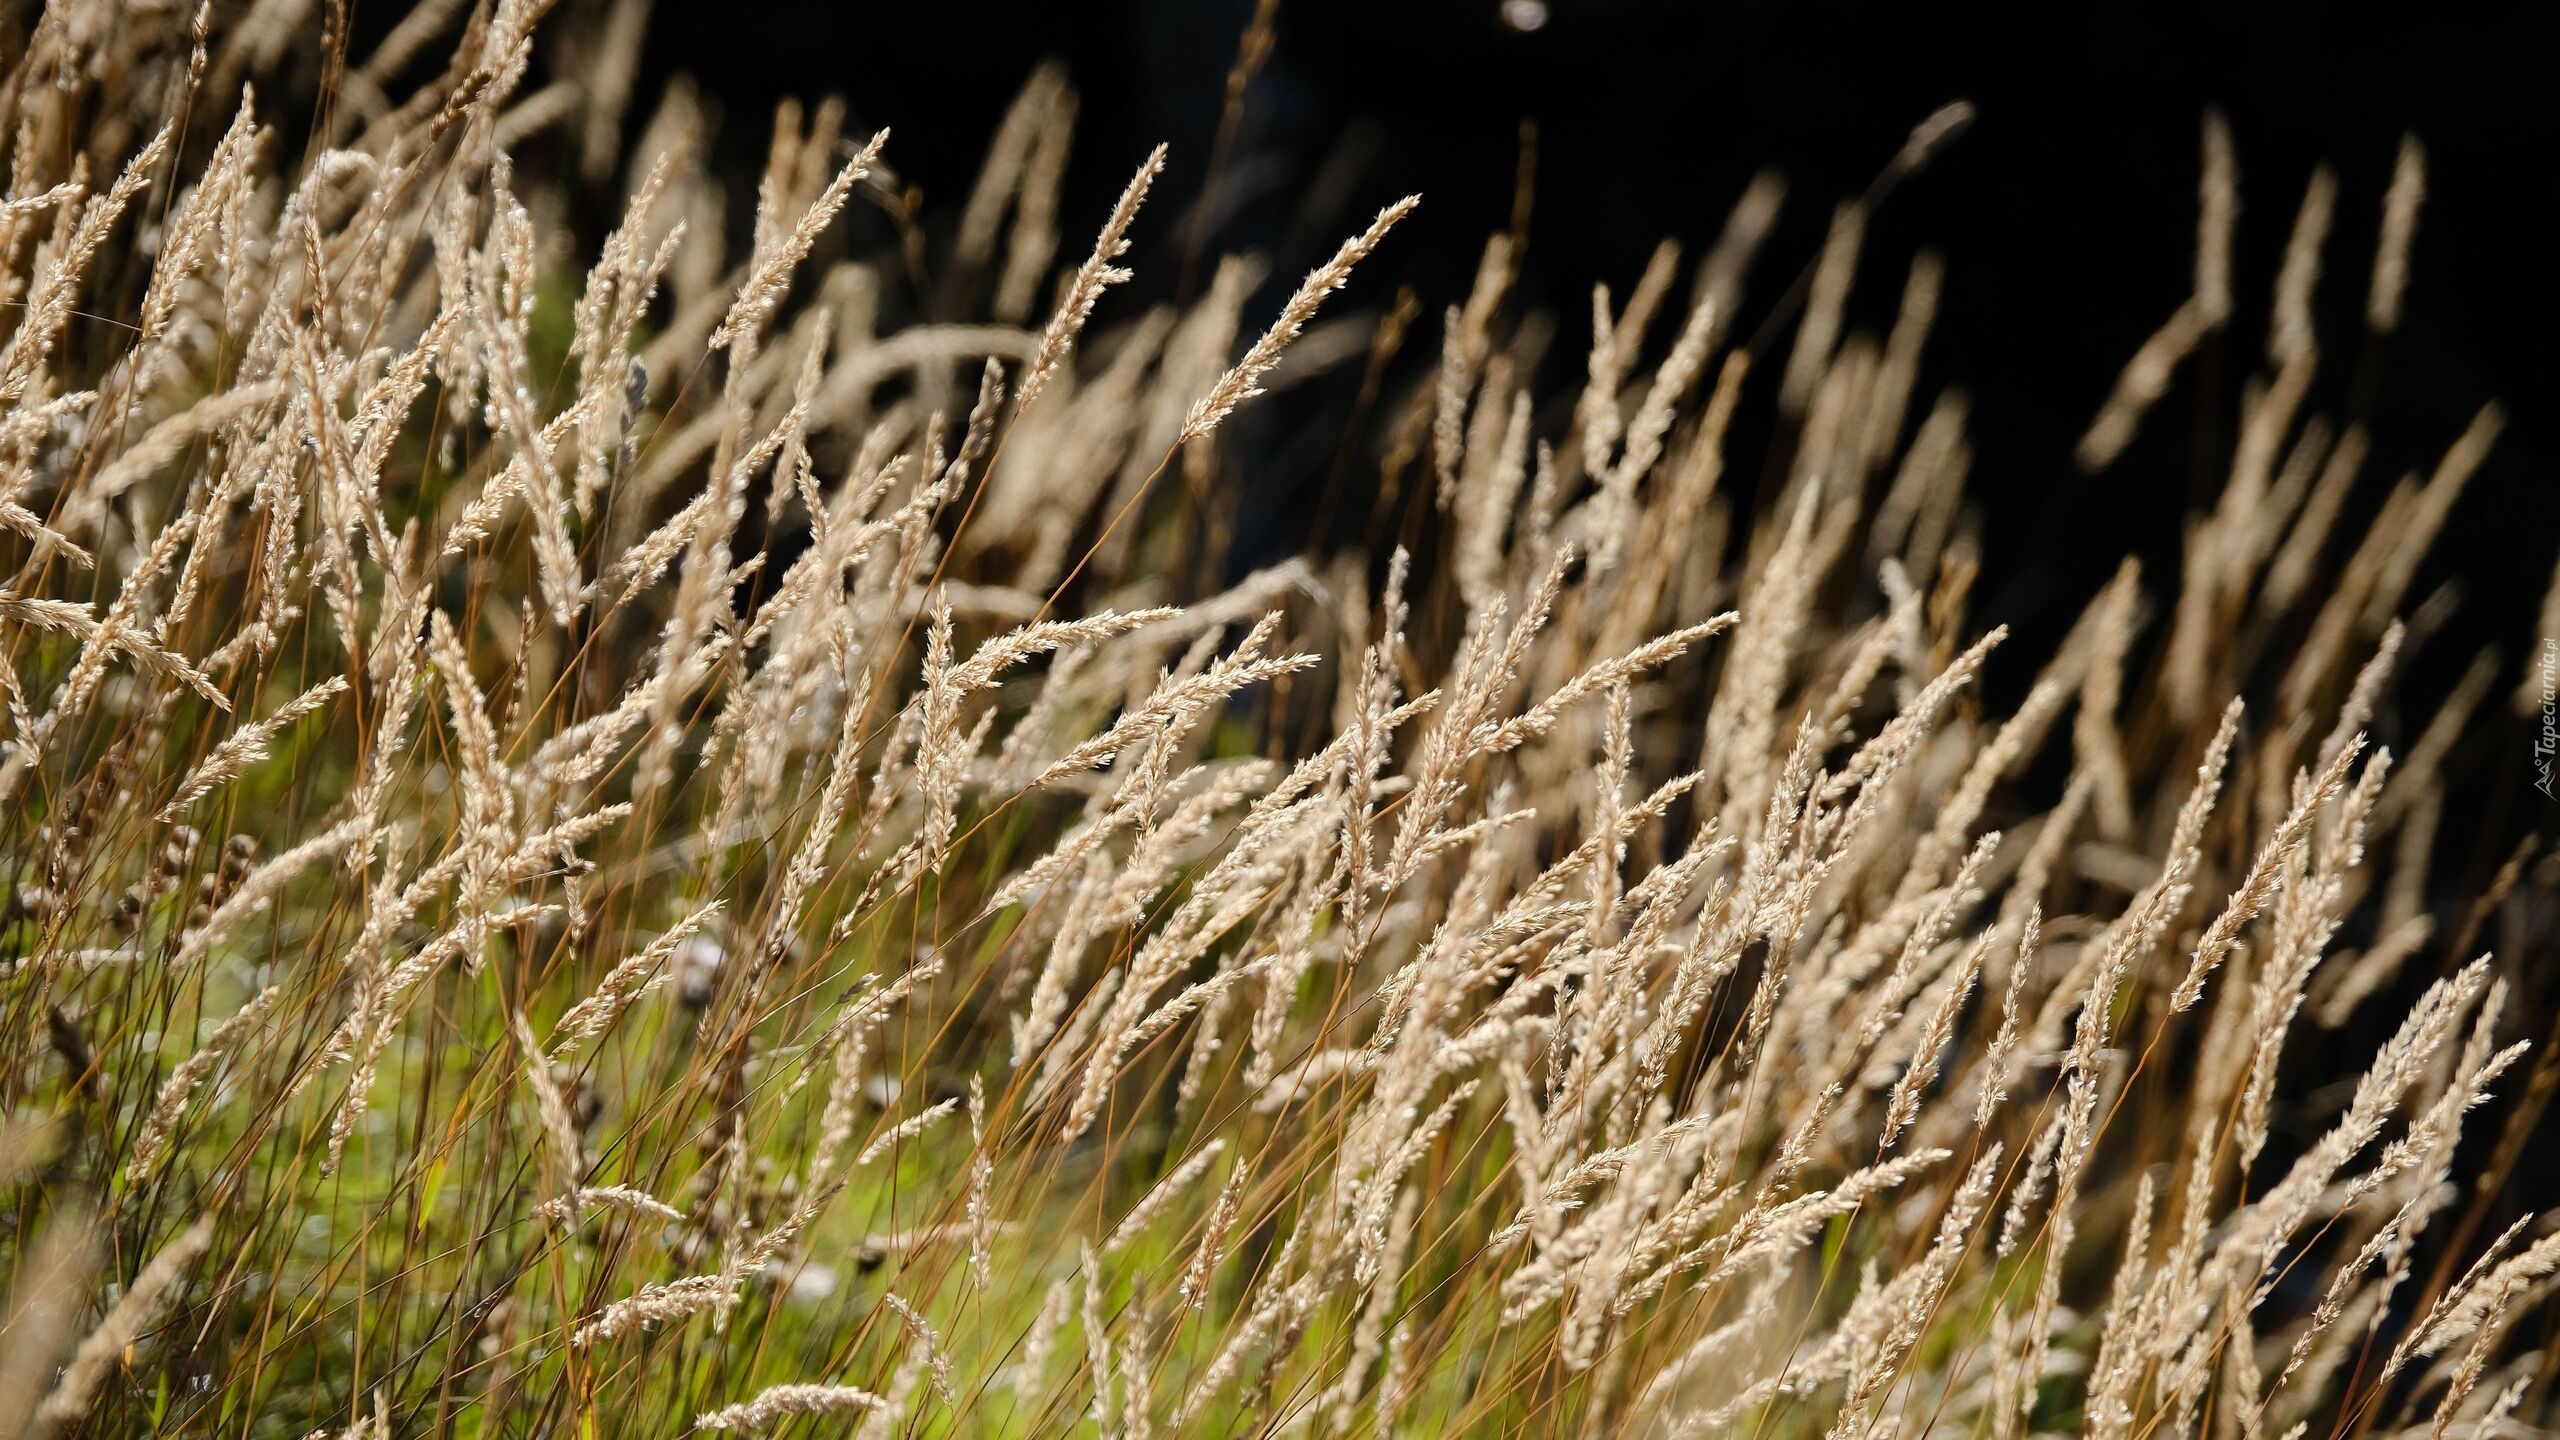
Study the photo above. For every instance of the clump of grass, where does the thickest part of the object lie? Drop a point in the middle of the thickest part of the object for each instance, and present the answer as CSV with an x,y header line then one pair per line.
x,y
638,855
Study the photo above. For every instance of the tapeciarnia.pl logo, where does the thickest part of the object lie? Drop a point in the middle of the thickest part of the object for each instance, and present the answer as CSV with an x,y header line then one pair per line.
x,y
2548,738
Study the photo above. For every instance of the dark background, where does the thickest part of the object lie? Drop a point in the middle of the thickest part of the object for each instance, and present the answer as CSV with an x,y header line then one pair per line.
x,y
2065,215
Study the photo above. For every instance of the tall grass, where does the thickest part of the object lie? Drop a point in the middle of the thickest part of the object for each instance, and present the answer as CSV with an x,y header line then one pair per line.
x,y
599,846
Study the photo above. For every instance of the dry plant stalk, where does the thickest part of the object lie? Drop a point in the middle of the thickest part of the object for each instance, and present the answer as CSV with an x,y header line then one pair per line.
x,y
1610,970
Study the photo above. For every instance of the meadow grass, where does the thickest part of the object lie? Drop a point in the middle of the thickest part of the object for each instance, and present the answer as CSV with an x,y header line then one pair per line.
x,y
599,844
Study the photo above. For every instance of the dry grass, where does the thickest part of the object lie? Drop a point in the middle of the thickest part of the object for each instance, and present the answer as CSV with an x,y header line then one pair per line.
x,y
601,847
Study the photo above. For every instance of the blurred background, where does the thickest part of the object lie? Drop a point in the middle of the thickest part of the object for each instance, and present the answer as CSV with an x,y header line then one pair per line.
x,y
2065,216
